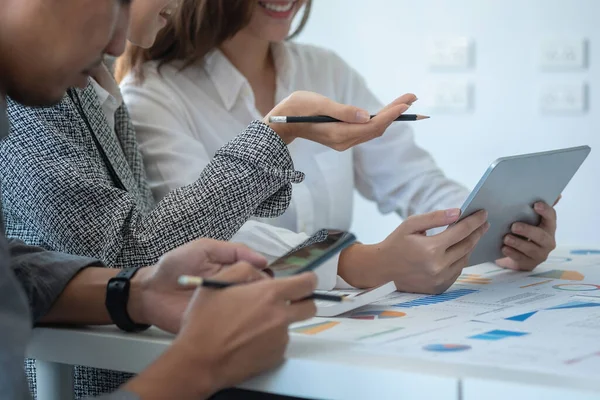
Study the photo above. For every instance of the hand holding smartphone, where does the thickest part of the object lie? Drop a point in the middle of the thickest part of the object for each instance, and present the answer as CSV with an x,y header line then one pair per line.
x,y
319,248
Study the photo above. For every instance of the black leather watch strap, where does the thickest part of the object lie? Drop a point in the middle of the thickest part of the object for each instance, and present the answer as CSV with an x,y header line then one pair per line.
x,y
117,296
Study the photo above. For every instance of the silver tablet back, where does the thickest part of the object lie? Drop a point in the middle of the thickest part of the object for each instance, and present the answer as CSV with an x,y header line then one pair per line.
x,y
511,186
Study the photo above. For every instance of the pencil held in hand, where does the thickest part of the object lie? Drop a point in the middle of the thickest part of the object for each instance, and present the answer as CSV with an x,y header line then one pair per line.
x,y
325,118
187,280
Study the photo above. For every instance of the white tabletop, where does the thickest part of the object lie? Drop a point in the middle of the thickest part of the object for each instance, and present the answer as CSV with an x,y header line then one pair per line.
x,y
327,369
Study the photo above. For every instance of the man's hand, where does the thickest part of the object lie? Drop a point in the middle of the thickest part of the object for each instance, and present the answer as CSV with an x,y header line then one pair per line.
x,y
533,244
157,299
416,262
356,128
228,335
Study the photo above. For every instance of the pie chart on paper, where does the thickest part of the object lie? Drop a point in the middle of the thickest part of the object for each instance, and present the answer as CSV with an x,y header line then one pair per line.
x,y
446,348
377,314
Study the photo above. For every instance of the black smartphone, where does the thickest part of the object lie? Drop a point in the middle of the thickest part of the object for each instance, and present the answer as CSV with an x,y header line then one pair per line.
x,y
313,252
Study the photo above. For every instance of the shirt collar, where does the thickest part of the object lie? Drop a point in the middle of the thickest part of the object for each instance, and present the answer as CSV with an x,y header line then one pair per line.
x,y
3,119
106,87
229,81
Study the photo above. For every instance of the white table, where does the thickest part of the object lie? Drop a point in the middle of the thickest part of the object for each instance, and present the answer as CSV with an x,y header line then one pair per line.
x,y
314,369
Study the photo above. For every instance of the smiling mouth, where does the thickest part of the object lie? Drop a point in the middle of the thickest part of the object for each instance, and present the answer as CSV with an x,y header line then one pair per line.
x,y
278,7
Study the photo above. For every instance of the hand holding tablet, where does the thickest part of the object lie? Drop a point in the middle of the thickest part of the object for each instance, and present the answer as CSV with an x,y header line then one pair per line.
x,y
517,192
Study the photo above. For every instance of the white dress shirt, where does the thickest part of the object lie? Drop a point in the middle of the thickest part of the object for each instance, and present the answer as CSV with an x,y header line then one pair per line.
x,y
109,94
183,117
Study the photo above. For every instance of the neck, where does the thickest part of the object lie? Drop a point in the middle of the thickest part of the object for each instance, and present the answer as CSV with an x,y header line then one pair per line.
x,y
102,76
250,55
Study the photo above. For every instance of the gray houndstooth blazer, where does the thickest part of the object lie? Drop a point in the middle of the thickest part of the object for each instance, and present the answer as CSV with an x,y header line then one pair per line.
x,y
58,192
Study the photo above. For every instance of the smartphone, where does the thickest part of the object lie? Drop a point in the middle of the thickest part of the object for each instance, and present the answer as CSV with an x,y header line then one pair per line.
x,y
319,248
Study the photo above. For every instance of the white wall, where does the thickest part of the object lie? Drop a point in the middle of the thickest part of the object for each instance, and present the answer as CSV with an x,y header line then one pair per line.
x,y
386,41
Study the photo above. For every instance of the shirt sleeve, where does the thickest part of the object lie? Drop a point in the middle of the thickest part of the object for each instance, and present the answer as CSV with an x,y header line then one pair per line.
x,y
392,170
53,191
173,157
44,274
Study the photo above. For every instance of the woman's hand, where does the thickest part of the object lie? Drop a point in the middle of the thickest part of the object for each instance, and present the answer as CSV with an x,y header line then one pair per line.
x,y
357,126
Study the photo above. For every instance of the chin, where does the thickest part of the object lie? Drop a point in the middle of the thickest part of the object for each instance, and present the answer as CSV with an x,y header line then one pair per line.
x,y
37,97
277,36
144,42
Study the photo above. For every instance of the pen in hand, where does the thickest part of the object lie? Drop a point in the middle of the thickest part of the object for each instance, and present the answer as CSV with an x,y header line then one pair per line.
x,y
325,118
187,280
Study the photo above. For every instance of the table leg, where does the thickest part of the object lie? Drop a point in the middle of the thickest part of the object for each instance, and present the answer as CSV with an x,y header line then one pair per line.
x,y
54,381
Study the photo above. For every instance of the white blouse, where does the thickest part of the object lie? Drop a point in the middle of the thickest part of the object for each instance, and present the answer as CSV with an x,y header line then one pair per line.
x,y
183,117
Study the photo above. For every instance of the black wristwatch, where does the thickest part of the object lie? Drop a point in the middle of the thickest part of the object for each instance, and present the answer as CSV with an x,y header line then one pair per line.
x,y
117,296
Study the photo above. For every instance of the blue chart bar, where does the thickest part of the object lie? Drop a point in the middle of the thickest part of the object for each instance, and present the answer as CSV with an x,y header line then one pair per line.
x,y
585,252
440,298
522,317
498,335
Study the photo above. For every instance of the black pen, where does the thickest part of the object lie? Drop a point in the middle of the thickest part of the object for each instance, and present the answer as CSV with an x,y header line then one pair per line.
x,y
187,280
325,118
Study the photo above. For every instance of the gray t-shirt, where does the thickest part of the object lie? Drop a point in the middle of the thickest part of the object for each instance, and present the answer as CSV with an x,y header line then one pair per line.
x,y
15,320
43,275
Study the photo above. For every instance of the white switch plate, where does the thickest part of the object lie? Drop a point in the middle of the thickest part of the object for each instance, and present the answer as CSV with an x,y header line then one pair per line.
x,y
449,96
455,53
557,98
564,53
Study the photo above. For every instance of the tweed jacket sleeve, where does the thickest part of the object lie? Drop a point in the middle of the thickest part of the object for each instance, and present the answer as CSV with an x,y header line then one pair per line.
x,y
57,192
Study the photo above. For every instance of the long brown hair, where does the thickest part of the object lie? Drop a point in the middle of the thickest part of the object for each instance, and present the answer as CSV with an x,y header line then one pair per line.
x,y
194,30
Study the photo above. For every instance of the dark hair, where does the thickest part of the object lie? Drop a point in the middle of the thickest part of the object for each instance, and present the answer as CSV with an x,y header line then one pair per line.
x,y
194,30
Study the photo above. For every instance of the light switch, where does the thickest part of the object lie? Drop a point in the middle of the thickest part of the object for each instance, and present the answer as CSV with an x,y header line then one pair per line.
x,y
564,54
560,98
456,53
449,96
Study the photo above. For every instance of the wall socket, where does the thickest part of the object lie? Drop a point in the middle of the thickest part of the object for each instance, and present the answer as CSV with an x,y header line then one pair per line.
x,y
450,96
564,98
455,53
564,54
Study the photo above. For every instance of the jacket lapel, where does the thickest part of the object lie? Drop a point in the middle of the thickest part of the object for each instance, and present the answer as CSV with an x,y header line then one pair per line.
x,y
106,137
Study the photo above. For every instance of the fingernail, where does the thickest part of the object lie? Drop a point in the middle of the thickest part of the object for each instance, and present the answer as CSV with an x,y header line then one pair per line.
x,y
517,228
539,206
509,240
455,212
362,116
486,227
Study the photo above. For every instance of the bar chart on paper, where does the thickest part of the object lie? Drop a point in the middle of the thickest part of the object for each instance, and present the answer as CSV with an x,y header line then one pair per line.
x,y
498,334
560,274
436,299
315,329
473,279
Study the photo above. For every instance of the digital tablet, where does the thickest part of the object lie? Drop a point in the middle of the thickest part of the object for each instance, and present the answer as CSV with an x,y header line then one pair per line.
x,y
509,189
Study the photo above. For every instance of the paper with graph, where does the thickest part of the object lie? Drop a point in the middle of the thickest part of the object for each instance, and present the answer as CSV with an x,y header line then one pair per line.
x,y
545,320
359,298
